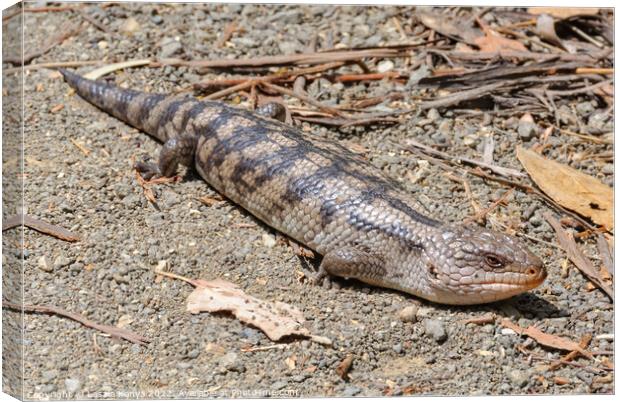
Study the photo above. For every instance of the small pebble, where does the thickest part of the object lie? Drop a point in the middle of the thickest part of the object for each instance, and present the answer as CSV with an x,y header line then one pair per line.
x,y
409,313
130,26
527,129
519,378
385,66
269,240
73,384
436,329
44,264
61,261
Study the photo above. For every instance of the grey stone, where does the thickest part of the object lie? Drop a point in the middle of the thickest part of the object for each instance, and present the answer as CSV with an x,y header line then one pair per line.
x,y
409,313
230,362
49,375
433,115
527,130
518,378
73,384
585,108
351,390
436,329
184,365
279,385
169,47
45,264
48,388
61,261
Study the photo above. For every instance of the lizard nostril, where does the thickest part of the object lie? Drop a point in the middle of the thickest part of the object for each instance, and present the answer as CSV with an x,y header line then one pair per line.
x,y
531,272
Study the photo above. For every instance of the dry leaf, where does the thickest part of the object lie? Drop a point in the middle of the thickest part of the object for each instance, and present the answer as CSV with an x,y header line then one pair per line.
x,y
343,368
275,319
291,362
448,26
561,380
543,338
563,12
494,42
570,188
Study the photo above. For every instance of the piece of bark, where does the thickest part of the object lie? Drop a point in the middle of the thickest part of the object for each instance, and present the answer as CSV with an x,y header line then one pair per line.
x,y
577,257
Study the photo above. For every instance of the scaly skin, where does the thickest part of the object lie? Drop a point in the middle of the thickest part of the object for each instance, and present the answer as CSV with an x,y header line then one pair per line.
x,y
325,197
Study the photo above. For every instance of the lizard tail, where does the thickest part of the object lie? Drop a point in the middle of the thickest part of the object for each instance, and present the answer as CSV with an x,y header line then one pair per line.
x,y
128,105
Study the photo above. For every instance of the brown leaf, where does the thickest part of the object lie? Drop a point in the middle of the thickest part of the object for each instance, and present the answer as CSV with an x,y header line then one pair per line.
x,y
291,362
562,12
343,368
275,319
448,26
570,188
543,338
577,257
494,42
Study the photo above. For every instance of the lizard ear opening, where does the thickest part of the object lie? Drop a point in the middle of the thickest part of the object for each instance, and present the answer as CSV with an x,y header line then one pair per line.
x,y
432,270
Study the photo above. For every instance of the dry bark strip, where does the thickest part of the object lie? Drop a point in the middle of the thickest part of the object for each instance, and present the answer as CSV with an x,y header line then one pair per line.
x,y
577,257
462,96
40,226
108,329
543,338
297,59
500,170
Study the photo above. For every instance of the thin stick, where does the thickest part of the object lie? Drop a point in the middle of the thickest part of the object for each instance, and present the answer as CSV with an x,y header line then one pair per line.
x,y
576,256
93,21
482,214
108,329
40,226
53,64
304,98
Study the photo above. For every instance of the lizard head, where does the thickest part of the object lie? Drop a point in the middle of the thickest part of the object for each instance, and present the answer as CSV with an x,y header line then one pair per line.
x,y
471,265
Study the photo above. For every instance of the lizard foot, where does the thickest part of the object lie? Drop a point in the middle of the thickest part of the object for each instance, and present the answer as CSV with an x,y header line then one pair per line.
x,y
146,169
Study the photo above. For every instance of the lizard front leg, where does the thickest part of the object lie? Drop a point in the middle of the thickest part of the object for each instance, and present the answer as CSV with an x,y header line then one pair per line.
x,y
351,262
177,150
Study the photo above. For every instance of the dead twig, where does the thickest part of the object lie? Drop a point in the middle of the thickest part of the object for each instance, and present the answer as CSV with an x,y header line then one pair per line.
x,y
54,64
502,171
39,226
108,329
461,96
606,254
305,98
229,30
300,58
93,21
480,216
577,257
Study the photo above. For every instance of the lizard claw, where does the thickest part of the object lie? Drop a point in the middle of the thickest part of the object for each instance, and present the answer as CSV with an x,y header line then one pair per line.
x,y
147,169
320,277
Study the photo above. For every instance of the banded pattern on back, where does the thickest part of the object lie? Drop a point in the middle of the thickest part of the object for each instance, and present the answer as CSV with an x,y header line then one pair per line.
x,y
300,184
325,197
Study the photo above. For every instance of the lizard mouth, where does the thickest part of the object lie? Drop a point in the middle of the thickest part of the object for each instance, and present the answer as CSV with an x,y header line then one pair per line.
x,y
532,278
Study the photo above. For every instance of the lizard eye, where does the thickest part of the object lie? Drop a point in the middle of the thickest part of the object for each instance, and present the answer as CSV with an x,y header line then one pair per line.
x,y
493,261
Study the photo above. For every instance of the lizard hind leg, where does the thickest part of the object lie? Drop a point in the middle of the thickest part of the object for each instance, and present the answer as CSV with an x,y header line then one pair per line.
x,y
176,150
273,110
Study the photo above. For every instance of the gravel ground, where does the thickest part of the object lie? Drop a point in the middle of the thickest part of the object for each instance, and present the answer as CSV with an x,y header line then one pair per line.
x,y
108,275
